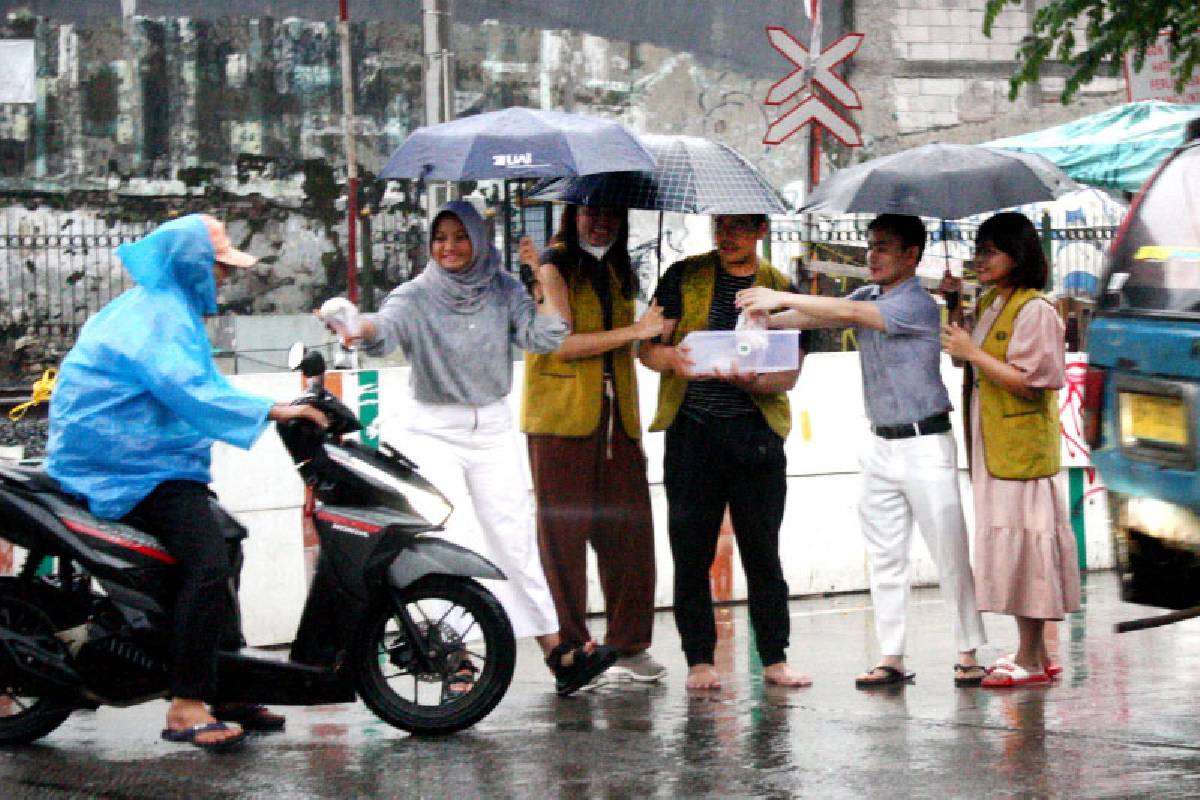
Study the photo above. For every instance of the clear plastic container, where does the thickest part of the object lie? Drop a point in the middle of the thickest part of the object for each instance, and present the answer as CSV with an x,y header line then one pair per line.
x,y
745,350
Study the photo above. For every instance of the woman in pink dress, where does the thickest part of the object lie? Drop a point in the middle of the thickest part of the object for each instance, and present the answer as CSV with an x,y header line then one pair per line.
x,y
1025,557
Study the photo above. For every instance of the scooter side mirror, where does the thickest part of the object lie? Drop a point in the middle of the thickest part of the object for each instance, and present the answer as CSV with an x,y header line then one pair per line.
x,y
310,363
295,356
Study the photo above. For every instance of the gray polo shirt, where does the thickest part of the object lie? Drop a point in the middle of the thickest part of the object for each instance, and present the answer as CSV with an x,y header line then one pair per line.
x,y
901,364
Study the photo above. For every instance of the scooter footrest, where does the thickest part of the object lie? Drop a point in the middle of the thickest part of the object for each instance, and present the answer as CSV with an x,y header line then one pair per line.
x,y
243,678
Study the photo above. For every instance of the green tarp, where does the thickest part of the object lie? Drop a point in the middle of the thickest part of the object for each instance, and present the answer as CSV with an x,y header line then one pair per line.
x,y
1115,149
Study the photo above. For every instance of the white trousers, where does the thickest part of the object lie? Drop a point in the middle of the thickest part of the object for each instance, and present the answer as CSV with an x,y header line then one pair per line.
x,y
470,454
906,480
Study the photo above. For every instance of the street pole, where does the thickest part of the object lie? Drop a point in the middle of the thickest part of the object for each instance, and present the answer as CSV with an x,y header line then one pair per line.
x,y
810,143
351,153
439,81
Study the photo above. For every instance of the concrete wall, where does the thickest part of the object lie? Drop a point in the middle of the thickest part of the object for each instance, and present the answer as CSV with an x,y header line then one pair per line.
x,y
820,543
149,101
928,73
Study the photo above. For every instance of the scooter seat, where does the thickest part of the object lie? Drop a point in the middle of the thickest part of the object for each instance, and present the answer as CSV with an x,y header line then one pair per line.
x,y
35,479
74,512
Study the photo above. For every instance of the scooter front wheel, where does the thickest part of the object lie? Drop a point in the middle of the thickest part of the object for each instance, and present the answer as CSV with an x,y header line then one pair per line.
x,y
412,649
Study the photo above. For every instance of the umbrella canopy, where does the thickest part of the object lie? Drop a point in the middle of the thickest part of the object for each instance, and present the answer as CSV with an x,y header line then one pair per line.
x,y
948,181
692,176
517,143
1117,149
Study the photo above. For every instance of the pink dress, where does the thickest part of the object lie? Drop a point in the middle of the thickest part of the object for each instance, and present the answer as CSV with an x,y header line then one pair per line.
x,y
1026,563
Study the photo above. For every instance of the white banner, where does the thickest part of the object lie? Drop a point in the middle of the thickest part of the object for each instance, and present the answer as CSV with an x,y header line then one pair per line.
x,y
1154,80
17,71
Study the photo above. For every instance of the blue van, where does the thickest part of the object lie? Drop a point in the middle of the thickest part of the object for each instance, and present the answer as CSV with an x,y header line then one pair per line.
x,y
1142,396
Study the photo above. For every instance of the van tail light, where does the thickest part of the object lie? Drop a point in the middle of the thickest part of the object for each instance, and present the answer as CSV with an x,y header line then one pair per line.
x,y
1093,405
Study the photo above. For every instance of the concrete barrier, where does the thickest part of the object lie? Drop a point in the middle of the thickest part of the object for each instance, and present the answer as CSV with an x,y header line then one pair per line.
x,y
820,544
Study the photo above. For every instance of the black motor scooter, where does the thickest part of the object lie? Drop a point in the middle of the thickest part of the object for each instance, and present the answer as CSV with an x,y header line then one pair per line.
x,y
391,614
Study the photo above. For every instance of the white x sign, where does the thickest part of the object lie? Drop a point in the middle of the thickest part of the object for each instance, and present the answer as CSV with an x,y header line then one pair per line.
x,y
813,109
819,70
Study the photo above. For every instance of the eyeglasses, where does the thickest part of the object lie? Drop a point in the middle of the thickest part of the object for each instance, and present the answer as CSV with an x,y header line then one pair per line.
x,y
987,251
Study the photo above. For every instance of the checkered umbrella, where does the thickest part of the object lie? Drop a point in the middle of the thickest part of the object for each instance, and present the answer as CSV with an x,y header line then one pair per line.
x,y
692,176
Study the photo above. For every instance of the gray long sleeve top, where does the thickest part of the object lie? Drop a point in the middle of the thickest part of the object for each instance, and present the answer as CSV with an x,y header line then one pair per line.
x,y
463,358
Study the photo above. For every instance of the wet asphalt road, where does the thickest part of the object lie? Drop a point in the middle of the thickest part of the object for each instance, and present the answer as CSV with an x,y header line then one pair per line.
x,y
1120,722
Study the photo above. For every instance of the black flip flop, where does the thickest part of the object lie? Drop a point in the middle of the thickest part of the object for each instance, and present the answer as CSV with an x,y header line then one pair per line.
x,y
584,666
188,736
891,677
963,679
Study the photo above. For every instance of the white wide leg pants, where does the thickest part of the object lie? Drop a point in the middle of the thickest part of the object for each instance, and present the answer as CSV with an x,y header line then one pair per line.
x,y
906,480
470,454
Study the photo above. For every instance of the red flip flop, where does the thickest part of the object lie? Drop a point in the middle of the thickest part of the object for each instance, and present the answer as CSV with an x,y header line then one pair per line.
x,y
1006,676
1053,668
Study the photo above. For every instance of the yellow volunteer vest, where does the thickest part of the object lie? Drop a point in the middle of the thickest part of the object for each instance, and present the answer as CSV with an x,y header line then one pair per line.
x,y
1021,438
699,279
562,398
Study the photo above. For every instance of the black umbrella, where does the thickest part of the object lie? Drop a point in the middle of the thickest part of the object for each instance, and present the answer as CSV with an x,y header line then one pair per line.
x,y
940,180
692,176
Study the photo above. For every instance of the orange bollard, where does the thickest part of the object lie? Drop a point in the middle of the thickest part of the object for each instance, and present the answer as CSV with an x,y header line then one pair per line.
x,y
720,577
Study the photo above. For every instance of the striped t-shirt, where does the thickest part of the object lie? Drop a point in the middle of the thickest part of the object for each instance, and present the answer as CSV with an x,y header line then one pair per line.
x,y
710,396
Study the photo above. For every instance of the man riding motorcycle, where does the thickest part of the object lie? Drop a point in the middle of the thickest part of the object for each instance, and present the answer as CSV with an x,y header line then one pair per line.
x,y
136,408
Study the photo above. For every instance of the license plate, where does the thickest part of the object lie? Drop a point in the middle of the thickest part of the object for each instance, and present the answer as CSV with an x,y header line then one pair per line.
x,y
1154,418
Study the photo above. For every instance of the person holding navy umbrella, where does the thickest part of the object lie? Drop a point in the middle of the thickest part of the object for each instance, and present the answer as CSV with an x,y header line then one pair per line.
x,y
457,323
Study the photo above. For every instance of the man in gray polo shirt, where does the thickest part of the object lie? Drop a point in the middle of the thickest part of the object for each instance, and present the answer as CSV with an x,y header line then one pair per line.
x,y
910,467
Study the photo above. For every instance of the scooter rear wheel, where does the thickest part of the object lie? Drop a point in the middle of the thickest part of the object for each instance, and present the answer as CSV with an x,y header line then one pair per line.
x,y
455,618
25,713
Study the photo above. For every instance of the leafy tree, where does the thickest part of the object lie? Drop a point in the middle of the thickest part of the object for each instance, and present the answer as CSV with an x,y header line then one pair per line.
x,y
1111,28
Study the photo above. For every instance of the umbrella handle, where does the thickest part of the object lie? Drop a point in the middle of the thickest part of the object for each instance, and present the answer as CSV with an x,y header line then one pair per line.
x,y
658,245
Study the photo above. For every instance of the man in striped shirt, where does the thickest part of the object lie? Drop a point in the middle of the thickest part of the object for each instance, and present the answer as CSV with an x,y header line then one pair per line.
x,y
724,446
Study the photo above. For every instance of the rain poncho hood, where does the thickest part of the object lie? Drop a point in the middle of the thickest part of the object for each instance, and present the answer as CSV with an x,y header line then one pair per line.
x,y
139,399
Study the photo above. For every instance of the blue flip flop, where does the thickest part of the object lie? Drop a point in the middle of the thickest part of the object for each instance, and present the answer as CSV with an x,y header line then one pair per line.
x,y
188,736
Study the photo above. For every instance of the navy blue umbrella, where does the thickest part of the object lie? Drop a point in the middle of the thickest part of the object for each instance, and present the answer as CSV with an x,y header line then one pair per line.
x,y
517,143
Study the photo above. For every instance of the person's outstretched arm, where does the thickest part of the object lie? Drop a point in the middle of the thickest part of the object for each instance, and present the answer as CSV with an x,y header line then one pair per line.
x,y
809,311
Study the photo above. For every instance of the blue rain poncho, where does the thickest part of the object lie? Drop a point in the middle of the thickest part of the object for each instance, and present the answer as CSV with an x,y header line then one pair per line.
x,y
139,399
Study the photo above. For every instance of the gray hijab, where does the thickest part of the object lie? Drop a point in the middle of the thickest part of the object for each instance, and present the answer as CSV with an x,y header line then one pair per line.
x,y
464,291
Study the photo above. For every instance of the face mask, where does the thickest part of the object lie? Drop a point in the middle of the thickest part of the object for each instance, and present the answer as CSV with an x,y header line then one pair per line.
x,y
597,253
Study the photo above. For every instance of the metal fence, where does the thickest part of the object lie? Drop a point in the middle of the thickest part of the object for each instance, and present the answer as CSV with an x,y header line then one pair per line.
x,y
56,268
398,250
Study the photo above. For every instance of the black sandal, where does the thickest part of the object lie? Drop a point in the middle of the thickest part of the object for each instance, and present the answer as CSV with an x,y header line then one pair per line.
x,y
967,676
463,675
890,677
583,668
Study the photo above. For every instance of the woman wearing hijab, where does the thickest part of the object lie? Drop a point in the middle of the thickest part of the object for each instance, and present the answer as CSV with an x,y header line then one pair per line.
x,y
456,323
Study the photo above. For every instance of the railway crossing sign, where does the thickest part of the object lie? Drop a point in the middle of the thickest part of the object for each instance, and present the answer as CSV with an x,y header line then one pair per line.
x,y
810,70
